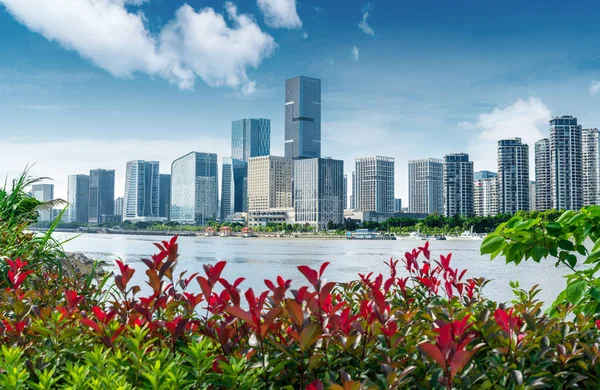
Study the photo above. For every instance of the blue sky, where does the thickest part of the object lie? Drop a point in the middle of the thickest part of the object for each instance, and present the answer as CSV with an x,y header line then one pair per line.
x,y
85,86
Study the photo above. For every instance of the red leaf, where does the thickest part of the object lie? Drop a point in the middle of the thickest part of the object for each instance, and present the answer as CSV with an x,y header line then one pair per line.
x,y
270,285
90,323
322,269
460,359
311,275
238,312
434,353
295,312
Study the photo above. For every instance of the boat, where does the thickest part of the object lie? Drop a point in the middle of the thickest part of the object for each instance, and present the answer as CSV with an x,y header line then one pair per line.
x,y
416,236
469,235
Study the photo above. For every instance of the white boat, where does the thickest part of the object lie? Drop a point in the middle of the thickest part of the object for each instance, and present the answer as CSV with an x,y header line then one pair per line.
x,y
416,236
469,235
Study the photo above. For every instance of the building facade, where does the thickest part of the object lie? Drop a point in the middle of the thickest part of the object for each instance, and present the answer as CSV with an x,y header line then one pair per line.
x,y
78,197
142,188
194,188
43,193
397,205
345,192
319,192
426,186
164,196
269,183
119,206
302,118
458,185
484,175
234,187
513,176
485,194
543,178
590,142
102,195
250,138
353,196
532,196
565,162
375,184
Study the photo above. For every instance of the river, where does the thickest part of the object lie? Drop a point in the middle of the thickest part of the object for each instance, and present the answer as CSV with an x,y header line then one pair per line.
x,y
257,259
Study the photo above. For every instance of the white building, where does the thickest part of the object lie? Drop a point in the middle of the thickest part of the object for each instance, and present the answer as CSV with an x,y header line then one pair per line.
x,y
513,176
590,141
269,183
375,184
532,196
543,180
565,163
458,185
43,193
426,186
485,195
140,202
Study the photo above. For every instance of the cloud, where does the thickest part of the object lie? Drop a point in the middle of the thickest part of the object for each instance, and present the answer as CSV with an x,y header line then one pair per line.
x,y
304,35
280,13
355,52
193,44
527,119
364,26
594,88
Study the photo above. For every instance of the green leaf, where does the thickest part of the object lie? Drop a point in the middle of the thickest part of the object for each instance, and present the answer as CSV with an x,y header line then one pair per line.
x,y
595,293
554,228
572,260
538,253
576,290
596,246
566,245
593,257
567,215
492,243
576,218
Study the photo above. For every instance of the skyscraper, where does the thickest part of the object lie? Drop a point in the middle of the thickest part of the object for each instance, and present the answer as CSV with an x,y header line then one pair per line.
x,y
345,192
250,138
119,206
164,196
234,187
458,185
375,184
513,175
485,193
565,163
319,192
353,196
543,181
140,202
78,196
194,188
269,183
591,166
532,196
426,186
102,194
43,193
397,205
302,118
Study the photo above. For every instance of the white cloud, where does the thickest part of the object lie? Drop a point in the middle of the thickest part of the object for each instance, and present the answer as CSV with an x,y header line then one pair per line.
x,y
364,26
594,88
280,13
193,44
304,35
527,119
355,52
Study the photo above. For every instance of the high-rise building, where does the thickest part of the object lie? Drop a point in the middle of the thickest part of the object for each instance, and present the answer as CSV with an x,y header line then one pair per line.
x,y
164,196
234,187
302,117
250,138
532,196
140,202
590,141
353,196
397,205
43,193
345,192
102,195
485,193
319,192
375,184
513,176
565,163
269,183
78,197
458,185
426,186
194,188
119,206
543,181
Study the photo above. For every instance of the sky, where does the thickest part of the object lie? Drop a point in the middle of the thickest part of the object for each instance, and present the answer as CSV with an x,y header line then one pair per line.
x,y
88,84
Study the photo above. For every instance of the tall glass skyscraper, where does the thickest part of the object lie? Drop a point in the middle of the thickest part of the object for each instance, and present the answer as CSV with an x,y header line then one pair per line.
x,y
250,138
426,186
513,176
543,180
102,194
591,166
78,196
194,188
164,196
565,163
43,193
458,185
302,117
141,191
234,187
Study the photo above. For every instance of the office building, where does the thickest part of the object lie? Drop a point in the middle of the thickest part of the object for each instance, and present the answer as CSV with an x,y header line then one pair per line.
x,y
375,184
565,162
234,187
164,196
513,176
543,181
269,183
250,138
43,193
119,206
140,202
590,141
353,196
485,193
426,186
302,118
102,195
532,196
458,185
397,205
319,192
78,197
194,188
345,192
